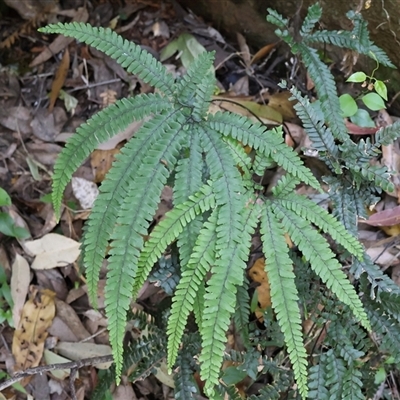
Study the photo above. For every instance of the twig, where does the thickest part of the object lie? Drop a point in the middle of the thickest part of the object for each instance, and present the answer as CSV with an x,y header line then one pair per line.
x,y
51,367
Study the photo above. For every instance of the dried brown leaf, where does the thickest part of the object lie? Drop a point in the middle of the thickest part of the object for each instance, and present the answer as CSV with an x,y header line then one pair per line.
x,y
262,53
59,79
19,286
29,337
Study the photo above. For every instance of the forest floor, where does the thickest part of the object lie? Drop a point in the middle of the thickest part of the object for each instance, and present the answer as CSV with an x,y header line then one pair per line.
x,y
49,86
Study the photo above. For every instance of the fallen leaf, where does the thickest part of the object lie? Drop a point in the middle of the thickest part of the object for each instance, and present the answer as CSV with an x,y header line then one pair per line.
x,y
389,217
262,53
396,275
101,161
244,49
59,79
77,351
17,119
258,274
46,126
29,337
53,250
85,191
19,286
53,358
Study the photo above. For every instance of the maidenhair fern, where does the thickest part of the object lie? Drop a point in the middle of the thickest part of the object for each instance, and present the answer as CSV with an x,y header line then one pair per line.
x,y
218,206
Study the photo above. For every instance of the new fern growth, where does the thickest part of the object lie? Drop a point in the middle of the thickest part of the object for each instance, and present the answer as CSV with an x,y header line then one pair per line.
x,y
217,204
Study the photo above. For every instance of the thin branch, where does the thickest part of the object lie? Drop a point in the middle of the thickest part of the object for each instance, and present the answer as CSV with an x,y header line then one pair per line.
x,y
51,367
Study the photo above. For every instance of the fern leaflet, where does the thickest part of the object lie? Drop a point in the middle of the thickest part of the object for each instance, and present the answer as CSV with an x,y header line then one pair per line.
x,y
128,54
284,295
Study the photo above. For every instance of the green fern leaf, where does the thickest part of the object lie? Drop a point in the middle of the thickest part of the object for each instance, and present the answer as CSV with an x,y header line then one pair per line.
x,y
242,312
113,190
317,381
136,210
169,229
195,88
352,385
285,185
284,295
310,211
222,168
322,260
270,143
335,373
326,89
201,260
98,129
321,136
314,14
188,180
234,230
128,54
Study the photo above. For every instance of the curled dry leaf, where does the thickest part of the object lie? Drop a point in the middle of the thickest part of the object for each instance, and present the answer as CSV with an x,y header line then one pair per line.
x,y
85,191
77,351
59,79
257,274
53,250
19,285
389,217
29,337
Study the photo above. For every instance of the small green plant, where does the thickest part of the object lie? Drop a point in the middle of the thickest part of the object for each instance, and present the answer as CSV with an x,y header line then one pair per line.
x,y
218,206
7,224
372,100
6,301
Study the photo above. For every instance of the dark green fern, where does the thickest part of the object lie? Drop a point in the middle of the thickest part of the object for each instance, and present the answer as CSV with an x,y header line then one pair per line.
x,y
218,207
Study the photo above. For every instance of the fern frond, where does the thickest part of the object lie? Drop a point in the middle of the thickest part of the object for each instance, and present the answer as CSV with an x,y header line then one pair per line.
x,y
185,385
317,380
241,158
234,230
352,385
188,176
136,210
277,19
386,328
376,175
170,228
188,180
192,275
128,54
356,40
335,373
195,88
198,305
320,135
322,260
96,130
314,14
268,142
242,312
223,171
285,185
376,277
386,135
310,211
284,294
113,190
326,89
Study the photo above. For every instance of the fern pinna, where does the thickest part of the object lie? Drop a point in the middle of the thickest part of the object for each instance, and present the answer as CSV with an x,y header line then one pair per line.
x,y
217,204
